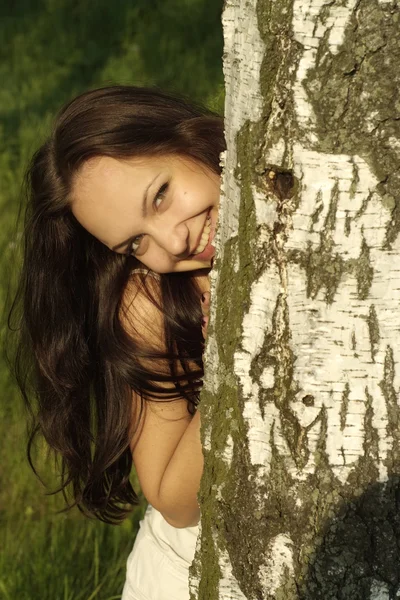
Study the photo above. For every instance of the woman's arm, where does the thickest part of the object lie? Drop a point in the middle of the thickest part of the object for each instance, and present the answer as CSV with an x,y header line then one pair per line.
x,y
188,458
168,459
181,480
166,448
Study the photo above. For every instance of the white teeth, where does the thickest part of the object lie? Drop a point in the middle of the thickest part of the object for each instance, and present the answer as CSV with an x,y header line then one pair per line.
x,y
204,237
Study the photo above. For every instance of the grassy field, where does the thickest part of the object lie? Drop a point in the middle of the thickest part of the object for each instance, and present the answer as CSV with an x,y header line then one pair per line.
x,y
52,50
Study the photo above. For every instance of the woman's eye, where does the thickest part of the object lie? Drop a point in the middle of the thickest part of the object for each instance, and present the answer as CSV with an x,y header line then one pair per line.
x,y
135,243
160,195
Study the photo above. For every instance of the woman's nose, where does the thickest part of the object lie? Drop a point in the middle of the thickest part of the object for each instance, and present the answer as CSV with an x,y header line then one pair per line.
x,y
174,239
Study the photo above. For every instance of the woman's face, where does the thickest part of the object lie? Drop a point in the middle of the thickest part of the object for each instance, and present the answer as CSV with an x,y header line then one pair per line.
x,y
161,209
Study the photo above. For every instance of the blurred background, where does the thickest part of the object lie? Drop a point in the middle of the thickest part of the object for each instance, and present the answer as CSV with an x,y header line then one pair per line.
x,y
50,51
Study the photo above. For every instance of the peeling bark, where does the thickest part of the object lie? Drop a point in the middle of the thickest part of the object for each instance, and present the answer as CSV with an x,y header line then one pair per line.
x,y
301,488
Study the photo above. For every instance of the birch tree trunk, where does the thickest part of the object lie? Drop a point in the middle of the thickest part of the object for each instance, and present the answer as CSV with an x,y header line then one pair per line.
x,y
300,497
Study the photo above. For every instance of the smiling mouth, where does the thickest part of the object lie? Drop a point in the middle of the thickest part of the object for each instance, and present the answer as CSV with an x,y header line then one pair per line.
x,y
205,236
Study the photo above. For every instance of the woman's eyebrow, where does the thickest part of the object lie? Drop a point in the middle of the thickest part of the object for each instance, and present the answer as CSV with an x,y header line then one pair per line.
x,y
144,215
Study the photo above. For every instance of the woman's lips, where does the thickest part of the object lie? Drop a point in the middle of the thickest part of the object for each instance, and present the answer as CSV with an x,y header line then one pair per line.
x,y
209,250
207,253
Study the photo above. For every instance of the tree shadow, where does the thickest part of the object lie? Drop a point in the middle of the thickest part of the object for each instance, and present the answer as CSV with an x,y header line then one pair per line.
x,y
358,557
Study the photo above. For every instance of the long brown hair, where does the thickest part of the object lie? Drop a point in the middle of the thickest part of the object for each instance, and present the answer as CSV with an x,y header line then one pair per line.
x,y
75,364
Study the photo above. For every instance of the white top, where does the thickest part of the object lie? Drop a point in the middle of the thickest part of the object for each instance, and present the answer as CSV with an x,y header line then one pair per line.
x,y
178,544
158,566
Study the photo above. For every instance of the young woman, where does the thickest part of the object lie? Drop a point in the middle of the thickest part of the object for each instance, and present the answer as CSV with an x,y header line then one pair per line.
x,y
123,201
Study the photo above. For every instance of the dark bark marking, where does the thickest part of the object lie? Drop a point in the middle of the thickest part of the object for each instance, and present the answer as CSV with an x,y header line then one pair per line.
x,y
371,437
373,329
319,207
363,270
308,400
353,341
344,406
393,409
281,182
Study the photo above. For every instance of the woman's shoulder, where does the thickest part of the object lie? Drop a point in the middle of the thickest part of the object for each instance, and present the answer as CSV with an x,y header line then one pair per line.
x,y
141,311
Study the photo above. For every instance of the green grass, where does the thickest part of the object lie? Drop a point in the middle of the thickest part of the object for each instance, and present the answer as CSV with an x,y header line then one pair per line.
x,y
52,50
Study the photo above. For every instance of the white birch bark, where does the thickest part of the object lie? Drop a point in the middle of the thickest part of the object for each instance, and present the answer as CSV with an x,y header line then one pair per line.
x,y
301,407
